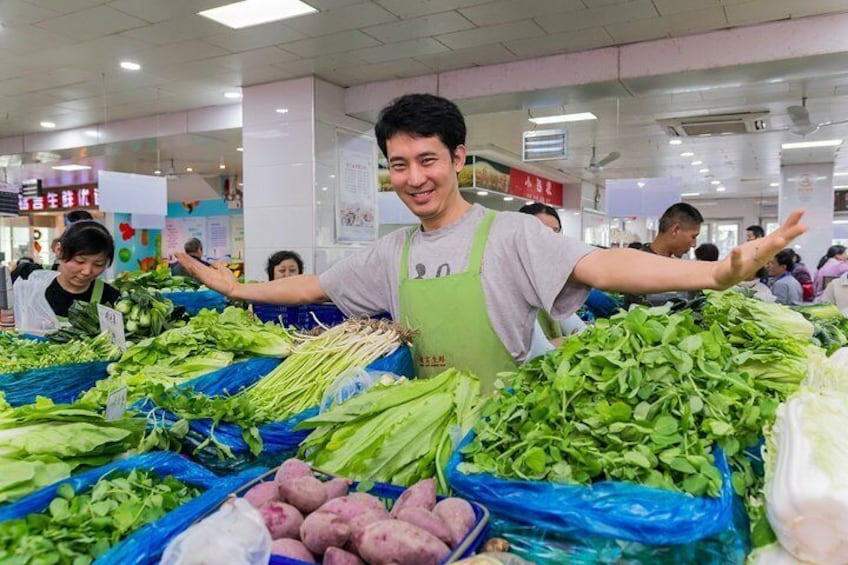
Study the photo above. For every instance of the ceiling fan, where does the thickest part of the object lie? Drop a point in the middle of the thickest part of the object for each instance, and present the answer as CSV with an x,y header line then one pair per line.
x,y
800,117
596,166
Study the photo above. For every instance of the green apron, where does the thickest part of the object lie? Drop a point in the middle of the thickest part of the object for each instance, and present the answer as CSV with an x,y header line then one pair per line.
x,y
450,319
96,296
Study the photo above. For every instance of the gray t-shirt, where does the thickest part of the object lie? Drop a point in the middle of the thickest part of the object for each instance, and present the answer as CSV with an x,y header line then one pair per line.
x,y
787,290
526,266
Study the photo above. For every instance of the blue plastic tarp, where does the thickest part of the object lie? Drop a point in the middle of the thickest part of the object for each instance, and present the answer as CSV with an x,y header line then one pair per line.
x,y
196,300
610,509
145,545
62,383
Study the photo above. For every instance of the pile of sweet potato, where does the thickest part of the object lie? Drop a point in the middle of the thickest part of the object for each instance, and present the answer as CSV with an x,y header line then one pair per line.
x,y
320,522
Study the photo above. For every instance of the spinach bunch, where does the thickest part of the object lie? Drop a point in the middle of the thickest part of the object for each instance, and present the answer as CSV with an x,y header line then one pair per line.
x,y
76,528
642,397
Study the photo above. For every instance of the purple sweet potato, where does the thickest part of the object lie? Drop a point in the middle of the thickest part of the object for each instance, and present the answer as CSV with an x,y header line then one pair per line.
x,y
262,493
393,541
428,521
283,520
458,516
358,525
307,494
290,469
368,500
420,495
291,548
336,556
321,530
337,487
349,507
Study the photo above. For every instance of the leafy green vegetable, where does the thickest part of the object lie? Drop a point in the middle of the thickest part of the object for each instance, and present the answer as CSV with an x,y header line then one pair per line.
x,y
399,433
831,326
17,354
76,528
159,279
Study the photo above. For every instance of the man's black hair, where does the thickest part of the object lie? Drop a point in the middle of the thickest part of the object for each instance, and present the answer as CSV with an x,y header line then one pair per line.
x,y
193,246
683,214
706,252
421,115
756,230
786,258
536,208
78,216
278,258
86,237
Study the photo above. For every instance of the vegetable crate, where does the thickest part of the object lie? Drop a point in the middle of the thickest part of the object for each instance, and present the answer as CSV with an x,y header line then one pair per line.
x,y
389,494
303,317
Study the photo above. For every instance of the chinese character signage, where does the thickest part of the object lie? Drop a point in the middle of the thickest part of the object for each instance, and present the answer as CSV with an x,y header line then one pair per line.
x,y
536,188
64,200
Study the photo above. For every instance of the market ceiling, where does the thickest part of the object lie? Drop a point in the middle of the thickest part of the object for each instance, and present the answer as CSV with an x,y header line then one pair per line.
x,y
61,65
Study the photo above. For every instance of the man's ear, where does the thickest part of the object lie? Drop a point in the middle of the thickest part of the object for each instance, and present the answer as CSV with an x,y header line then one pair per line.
x,y
459,157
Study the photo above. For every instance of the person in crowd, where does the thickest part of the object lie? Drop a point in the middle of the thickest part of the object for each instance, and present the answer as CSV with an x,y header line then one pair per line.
x,y
634,245
761,290
706,252
23,268
545,214
678,231
54,249
754,232
194,249
803,276
77,216
785,287
284,264
837,293
470,280
832,266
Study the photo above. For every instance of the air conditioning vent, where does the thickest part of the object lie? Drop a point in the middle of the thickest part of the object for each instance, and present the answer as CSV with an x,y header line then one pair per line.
x,y
716,124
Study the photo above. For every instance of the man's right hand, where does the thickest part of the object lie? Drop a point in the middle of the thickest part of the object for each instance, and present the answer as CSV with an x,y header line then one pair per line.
x,y
217,277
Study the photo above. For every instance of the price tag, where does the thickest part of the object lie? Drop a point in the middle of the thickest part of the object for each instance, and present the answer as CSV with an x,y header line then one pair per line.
x,y
112,322
116,404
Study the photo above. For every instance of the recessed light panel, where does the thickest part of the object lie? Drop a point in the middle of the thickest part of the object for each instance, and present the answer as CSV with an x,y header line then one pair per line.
x,y
255,12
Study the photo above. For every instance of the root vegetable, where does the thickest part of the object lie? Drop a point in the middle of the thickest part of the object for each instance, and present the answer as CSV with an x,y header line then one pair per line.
x,y
262,493
282,520
290,469
337,487
358,525
349,507
458,516
367,500
336,556
291,548
428,521
422,495
321,530
307,494
395,542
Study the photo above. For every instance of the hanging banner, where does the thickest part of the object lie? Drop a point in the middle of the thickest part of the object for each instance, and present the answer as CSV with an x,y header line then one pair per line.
x,y
536,188
86,197
356,197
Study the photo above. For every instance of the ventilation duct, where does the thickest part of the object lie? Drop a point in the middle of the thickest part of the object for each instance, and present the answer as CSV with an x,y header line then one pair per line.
x,y
716,124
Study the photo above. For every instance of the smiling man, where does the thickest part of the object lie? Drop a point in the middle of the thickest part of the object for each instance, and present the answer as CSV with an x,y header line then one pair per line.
x,y
470,280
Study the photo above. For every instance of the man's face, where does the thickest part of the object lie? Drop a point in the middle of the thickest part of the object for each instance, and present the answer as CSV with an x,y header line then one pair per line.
x,y
749,235
684,238
774,269
423,173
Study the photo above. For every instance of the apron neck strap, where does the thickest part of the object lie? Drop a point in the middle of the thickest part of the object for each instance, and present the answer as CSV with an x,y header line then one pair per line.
x,y
97,291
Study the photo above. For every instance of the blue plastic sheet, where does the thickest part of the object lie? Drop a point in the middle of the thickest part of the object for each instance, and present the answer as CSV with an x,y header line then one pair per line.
x,y
601,304
197,300
145,545
62,383
608,509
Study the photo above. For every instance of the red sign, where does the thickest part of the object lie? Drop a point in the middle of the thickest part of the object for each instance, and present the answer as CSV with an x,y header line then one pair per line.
x,y
536,188
63,200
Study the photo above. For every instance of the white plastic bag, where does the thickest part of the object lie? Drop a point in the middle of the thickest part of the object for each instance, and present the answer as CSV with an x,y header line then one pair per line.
x,y
32,312
351,383
234,535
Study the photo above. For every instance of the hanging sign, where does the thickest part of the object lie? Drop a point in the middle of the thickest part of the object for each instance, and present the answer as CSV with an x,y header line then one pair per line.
x,y
87,197
536,188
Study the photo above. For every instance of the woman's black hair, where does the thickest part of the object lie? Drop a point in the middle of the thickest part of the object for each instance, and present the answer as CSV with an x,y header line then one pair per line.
x,y
86,237
536,208
706,252
421,115
24,269
786,258
278,258
832,252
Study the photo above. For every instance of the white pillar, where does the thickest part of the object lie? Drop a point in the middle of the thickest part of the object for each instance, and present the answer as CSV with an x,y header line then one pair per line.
x,y
809,186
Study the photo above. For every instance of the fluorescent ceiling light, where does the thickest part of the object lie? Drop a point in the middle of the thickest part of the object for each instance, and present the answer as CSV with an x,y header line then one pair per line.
x,y
130,66
482,193
157,172
508,198
71,167
687,154
840,186
189,170
255,12
675,141
48,125
690,194
811,144
232,94
774,184
715,182
704,170
239,148
91,133
555,149
541,142
840,221
222,166
579,117
282,110
696,163
720,189
840,174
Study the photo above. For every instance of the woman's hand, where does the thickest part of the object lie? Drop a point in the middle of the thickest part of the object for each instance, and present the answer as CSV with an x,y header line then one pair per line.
x,y
217,277
745,260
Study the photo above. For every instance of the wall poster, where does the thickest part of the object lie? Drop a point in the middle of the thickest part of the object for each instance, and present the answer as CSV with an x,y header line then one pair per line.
x,y
356,197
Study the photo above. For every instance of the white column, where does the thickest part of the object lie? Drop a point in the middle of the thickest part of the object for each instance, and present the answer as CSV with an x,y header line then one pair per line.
x,y
809,186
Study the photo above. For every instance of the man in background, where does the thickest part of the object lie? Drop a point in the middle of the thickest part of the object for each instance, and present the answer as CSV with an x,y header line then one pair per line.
x,y
754,232
194,249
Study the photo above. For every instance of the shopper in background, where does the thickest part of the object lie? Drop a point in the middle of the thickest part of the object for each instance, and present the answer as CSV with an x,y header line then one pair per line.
x,y
754,232
634,245
470,280
77,216
545,214
706,252
833,265
837,293
761,290
284,264
785,287
23,267
803,276
194,249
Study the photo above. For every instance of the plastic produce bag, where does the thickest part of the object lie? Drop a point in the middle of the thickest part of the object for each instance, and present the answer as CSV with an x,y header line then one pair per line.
x,y
144,545
195,301
236,534
32,312
62,384
351,384
609,509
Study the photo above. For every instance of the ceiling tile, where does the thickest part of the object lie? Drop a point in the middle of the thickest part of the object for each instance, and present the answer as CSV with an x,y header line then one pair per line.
x,y
471,57
393,51
162,10
239,40
66,6
758,11
407,9
425,26
181,28
695,22
178,53
260,57
102,54
30,40
18,12
336,43
324,5
668,7
99,21
348,17
491,35
560,43
600,3
510,10
368,73
598,17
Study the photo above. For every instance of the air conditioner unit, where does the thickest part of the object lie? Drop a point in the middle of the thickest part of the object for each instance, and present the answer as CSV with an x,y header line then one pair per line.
x,y
716,124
